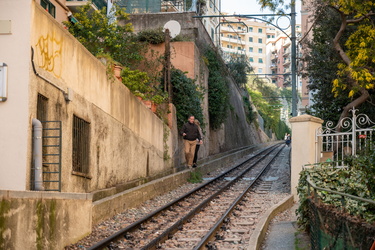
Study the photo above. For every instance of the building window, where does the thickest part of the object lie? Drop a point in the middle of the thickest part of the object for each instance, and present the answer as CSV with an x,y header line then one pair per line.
x,y
250,29
48,6
251,49
260,70
250,39
260,30
212,33
41,108
260,50
251,59
81,140
260,40
239,48
260,60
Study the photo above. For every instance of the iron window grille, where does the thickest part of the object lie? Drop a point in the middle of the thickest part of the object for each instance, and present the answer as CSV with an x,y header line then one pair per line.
x,y
41,109
81,139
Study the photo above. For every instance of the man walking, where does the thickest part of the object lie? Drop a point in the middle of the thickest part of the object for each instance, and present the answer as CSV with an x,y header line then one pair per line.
x,y
190,133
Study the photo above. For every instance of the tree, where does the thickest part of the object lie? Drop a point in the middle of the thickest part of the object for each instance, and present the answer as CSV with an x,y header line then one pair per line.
x,y
357,70
319,49
354,42
266,98
100,34
239,67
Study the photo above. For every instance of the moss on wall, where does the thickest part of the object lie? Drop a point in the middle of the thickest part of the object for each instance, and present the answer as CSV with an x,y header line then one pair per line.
x,y
39,224
4,208
46,223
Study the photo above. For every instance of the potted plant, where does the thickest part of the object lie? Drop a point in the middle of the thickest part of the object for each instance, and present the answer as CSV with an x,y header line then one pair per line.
x,y
113,67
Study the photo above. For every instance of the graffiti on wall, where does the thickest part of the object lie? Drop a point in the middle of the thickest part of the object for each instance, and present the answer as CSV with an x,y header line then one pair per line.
x,y
48,54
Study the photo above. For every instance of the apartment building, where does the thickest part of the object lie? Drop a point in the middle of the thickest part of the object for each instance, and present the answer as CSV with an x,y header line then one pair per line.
x,y
306,34
245,37
279,57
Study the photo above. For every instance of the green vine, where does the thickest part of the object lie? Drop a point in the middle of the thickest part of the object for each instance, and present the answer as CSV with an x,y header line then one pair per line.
x,y
186,97
250,114
353,180
218,89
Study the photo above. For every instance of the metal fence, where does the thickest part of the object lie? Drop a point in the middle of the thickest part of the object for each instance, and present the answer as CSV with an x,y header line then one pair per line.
x,y
351,134
331,228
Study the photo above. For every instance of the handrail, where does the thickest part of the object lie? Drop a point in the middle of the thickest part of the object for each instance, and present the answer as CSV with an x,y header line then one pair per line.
x,y
336,192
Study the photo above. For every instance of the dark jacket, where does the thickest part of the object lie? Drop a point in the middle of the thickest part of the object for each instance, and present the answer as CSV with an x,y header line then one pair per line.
x,y
192,132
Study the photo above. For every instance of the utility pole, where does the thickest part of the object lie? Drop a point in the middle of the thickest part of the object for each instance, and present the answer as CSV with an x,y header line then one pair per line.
x,y
294,58
167,66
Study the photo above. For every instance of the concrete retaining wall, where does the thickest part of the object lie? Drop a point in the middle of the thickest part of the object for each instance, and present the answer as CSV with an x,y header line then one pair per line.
x,y
43,220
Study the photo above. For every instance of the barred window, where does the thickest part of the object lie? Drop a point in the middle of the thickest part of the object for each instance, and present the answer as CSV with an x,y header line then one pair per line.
x,y
41,108
81,139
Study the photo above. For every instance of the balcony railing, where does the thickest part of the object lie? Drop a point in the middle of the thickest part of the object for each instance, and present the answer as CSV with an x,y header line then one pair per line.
x,y
232,40
286,62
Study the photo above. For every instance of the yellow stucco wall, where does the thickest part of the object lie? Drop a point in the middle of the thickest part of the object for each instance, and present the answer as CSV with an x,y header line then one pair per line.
x,y
126,138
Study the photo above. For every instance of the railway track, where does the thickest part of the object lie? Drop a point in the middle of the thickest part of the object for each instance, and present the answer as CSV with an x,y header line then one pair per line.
x,y
207,216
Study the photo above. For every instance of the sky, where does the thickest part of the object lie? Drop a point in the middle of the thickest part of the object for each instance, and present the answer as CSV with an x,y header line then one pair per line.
x,y
251,7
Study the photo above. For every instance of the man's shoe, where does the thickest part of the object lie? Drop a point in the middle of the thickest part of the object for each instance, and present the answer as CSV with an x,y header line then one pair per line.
x,y
189,167
194,165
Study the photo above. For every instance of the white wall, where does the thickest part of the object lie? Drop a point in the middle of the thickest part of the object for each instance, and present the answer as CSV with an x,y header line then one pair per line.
x,y
14,121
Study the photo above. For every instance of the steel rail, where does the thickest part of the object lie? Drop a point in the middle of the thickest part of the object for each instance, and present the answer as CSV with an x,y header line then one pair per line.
x,y
205,240
137,224
162,237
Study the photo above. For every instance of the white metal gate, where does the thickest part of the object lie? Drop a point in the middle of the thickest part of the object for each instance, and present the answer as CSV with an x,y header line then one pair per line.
x,y
350,135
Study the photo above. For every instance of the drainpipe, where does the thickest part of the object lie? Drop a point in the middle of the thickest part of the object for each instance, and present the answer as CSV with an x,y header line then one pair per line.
x,y
37,155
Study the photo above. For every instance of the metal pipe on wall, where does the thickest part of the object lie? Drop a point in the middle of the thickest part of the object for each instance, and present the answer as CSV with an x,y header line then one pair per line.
x,y
37,155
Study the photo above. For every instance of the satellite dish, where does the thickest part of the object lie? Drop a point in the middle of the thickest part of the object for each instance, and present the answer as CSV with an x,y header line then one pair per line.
x,y
174,28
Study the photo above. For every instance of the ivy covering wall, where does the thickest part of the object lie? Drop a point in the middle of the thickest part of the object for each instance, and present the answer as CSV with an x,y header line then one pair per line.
x,y
218,89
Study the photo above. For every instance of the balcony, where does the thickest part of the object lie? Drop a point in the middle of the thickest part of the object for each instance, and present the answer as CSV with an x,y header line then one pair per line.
x,y
74,5
225,28
232,40
286,62
286,51
287,44
234,51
